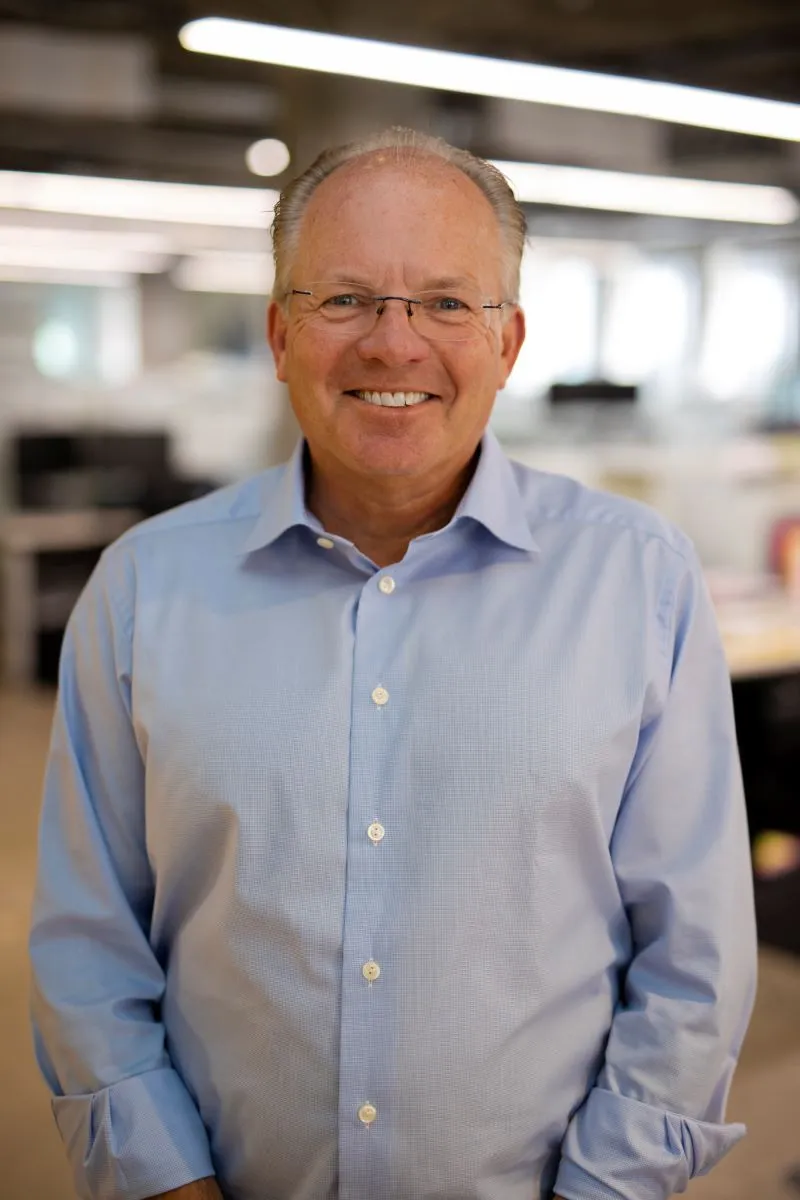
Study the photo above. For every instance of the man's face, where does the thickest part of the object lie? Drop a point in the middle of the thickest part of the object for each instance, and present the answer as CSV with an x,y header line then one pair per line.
x,y
398,230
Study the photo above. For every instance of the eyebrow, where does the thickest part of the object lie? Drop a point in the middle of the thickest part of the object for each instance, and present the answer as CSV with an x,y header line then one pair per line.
x,y
346,278
449,281
439,283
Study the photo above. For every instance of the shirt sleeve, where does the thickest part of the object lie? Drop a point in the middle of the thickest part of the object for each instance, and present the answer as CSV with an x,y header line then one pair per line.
x,y
129,1125
680,849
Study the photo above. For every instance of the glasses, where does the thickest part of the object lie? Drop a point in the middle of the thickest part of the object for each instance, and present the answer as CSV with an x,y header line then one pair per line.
x,y
447,315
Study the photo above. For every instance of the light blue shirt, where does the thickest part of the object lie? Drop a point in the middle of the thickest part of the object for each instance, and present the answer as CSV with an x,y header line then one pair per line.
x,y
390,884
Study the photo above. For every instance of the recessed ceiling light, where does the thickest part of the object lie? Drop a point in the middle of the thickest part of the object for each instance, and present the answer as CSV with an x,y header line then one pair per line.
x,y
268,157
506,79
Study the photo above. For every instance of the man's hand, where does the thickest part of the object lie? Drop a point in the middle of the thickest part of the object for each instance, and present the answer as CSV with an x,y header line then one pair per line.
x,y
201,1189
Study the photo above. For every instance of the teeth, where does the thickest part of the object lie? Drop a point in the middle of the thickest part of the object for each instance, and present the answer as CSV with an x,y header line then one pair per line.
x,y
394,399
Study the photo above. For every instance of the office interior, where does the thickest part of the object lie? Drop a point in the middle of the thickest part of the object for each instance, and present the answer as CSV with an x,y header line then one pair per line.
x,y
662,362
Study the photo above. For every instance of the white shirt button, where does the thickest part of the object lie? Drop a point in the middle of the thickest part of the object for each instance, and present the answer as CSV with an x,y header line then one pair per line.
x,y
370,971
367,1113
376,832
387,585
326,543
380,695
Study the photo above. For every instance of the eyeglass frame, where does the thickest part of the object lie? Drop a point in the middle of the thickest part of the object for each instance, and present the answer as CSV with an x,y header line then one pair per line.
x,y
407,300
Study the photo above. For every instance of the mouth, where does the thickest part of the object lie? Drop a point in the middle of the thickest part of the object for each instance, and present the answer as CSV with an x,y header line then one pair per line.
x,y
392,399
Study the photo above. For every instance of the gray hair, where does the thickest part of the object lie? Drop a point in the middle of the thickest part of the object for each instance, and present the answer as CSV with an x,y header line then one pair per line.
x,y
407,144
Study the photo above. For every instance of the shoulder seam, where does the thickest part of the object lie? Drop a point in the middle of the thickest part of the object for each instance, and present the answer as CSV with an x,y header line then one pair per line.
x,y
613,519
137,532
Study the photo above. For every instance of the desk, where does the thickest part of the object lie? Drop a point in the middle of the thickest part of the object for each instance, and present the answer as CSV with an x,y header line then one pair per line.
x,y
761,636
26,607
762,643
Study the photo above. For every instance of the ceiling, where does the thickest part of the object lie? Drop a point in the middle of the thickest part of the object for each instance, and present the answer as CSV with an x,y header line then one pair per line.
x,y
104,87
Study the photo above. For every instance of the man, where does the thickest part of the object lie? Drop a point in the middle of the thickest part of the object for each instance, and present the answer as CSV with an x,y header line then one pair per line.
x,y
393,843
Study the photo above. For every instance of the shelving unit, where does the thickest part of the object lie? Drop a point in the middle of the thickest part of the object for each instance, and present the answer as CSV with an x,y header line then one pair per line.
x,y
46,559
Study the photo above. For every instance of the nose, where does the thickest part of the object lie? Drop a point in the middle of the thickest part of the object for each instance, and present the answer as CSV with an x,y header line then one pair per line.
x,y
393,339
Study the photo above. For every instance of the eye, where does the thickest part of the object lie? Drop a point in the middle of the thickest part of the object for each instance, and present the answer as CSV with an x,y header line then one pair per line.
x,y
444,306
449,304
344,300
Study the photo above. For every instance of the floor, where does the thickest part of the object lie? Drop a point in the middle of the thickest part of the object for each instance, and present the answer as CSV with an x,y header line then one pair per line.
x,y
766,1091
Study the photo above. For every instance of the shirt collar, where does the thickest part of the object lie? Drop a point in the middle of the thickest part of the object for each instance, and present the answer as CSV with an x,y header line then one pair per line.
x,y
283,503
492,499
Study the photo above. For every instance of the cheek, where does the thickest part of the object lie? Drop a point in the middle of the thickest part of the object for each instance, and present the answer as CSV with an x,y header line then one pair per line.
x,y
310,360
475,367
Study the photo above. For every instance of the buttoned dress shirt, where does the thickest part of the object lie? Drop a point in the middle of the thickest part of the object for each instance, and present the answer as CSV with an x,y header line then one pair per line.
x,y
388,884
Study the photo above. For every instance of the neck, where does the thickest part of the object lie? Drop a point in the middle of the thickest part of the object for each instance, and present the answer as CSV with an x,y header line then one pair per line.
x,y
383,516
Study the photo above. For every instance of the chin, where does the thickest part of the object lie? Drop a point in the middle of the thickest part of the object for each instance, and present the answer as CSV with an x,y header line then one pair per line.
x,y
392,462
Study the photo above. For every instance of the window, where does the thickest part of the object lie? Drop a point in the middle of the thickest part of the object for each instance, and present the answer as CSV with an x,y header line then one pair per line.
x,y
559,293
750,330
648,323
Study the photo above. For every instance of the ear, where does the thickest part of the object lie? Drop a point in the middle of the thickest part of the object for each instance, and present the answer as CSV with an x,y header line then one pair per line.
x,y
512,337
276,336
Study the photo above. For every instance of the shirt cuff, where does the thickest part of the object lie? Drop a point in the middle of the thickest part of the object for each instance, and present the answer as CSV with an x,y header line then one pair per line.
x,y
617,1148
135,1139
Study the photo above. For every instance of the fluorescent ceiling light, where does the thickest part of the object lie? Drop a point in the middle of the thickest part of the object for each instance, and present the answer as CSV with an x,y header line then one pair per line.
x,y
710,200
78,259
244,274
137,199
447,71
52,275
56,241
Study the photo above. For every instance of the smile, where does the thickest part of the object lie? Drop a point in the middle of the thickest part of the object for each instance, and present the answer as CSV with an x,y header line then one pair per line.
x,y
393,399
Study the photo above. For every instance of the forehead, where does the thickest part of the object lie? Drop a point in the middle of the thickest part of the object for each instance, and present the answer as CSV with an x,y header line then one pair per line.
x,y
415,216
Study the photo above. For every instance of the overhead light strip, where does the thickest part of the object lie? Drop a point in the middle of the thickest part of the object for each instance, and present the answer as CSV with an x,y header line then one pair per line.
x,y
138,199
658,195
119,260
534,183
55,240
445,70
84,277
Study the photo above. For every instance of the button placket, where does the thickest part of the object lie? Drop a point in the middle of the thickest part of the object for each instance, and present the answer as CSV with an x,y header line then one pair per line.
x,y
366,986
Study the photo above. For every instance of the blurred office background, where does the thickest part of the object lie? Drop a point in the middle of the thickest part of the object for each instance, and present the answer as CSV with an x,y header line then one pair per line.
x,y
138,172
